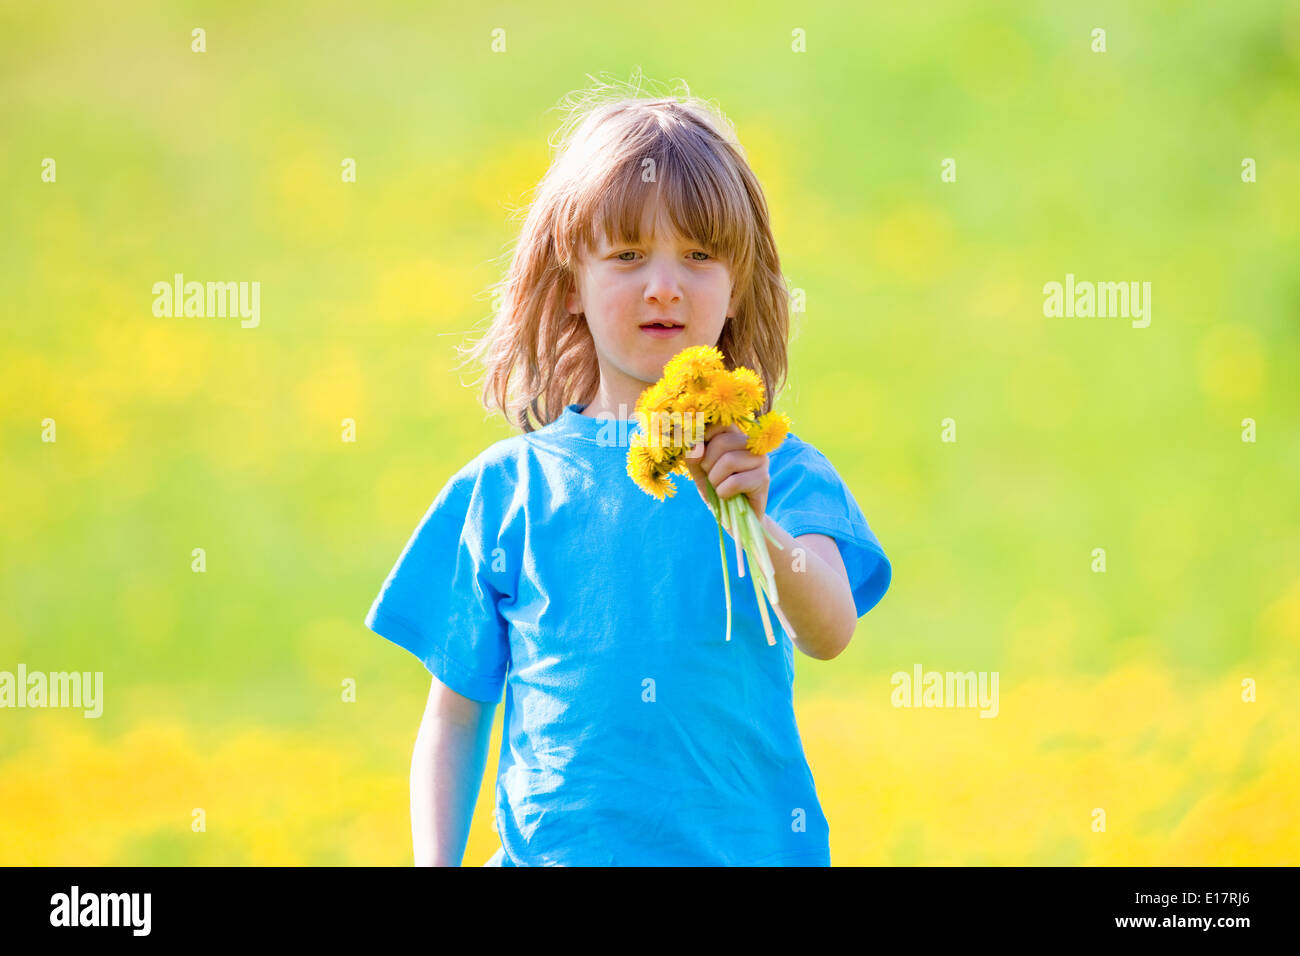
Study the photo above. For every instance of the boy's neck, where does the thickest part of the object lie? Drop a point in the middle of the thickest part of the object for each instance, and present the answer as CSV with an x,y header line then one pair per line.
x,y
604,406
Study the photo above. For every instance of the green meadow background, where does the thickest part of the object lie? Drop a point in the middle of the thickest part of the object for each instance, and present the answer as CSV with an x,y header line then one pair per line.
x,y
1119,690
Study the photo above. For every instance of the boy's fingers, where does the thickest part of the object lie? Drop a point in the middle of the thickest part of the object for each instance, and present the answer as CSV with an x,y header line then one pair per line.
x,y
737,461
717,428
703,456
725,438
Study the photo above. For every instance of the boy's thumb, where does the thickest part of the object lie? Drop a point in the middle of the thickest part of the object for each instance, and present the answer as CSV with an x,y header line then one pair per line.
x,y
695,462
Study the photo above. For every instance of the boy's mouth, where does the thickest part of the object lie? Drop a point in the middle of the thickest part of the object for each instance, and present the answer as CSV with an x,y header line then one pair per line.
x,y
662,328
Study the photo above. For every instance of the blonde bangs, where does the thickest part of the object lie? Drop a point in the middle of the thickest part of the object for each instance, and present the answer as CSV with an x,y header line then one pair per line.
x,y
704,199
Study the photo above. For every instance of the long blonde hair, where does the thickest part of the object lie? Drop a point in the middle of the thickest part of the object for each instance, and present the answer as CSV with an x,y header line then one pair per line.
x,y
537,356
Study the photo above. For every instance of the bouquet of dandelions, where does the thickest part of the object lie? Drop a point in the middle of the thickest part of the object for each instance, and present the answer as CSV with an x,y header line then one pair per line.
x,y
696,391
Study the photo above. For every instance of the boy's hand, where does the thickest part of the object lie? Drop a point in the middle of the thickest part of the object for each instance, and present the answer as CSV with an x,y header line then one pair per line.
x,y
722,459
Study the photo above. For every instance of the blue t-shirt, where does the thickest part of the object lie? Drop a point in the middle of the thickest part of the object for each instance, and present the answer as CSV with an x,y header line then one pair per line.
x,y
635,734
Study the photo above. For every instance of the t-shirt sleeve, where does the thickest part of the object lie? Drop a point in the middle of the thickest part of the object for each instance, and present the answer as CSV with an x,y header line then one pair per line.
x,y
440,600
806,495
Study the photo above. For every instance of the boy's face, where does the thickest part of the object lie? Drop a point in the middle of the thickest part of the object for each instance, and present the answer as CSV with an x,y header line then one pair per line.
x,y
625,286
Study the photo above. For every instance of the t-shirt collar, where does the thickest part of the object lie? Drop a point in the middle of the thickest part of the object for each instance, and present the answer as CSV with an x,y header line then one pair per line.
x,y
573,420
611,431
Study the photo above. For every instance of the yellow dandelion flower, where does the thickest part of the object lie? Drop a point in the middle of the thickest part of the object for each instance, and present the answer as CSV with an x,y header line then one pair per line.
x,y
654,444
688,370
655,398
766,434
661,486
750,384
693,402
640,466
725,398
694,410
641,469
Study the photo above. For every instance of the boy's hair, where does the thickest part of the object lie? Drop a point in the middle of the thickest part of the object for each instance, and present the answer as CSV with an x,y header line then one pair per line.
x,y
537,356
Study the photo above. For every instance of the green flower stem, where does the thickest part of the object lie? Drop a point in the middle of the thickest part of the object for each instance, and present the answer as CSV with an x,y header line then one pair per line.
x,y
735,515
762,610
754,536
750,539
733,525
758,545
722,548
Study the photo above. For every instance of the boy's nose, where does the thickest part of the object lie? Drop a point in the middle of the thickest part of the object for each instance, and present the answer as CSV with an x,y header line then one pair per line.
x,y
662,286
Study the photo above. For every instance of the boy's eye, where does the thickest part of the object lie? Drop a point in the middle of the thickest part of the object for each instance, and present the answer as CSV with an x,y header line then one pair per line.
x,y
698,252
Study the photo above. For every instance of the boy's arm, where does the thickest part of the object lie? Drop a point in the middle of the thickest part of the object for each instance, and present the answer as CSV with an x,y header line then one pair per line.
x,y
815,594
446,771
